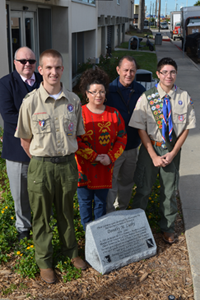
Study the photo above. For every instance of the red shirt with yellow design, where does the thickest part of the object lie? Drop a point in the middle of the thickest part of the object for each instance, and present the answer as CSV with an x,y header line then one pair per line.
x,y
104,134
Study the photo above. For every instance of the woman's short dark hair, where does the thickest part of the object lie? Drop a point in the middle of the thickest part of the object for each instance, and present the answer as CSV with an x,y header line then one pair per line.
x,y
93,76
166,61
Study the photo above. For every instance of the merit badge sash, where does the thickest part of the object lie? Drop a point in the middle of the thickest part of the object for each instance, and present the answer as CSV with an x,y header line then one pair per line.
x,y
156,106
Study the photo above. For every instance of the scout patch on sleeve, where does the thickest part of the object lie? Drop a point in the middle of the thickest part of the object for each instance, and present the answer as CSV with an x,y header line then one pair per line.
x,y
71,127
191,102
70,107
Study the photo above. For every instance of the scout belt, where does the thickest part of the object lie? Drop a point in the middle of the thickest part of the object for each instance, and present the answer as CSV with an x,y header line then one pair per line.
x,y
55,159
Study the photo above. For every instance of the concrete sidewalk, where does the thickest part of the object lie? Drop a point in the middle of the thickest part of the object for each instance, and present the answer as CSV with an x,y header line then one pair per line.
x,y
188,78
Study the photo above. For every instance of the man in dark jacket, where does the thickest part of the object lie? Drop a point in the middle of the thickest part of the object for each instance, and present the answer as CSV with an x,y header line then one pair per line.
x,y
123,95
13,88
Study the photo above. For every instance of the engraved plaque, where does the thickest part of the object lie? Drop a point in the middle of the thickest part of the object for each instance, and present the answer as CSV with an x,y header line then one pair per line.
x,y
117,239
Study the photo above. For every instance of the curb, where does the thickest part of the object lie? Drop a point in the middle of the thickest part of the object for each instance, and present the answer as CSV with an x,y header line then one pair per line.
x,y
166,40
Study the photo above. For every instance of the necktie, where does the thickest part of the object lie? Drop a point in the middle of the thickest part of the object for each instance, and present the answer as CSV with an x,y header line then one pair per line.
x,y
167,118
30,81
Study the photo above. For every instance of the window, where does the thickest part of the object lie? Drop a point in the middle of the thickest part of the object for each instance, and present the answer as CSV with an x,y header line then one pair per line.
x,y
118,2
87,1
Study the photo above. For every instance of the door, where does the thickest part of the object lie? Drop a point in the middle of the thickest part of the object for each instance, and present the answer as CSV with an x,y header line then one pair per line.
x,y
22,31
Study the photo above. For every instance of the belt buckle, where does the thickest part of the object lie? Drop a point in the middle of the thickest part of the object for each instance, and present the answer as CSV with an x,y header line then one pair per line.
x,y
55,160
163,146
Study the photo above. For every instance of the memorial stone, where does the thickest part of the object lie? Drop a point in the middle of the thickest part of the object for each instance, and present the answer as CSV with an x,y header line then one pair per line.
x,y
118,239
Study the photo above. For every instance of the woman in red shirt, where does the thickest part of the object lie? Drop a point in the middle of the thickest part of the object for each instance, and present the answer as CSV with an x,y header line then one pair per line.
x,y
103,142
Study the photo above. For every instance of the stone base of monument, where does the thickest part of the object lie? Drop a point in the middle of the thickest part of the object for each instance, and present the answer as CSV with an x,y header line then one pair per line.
x,y
118,239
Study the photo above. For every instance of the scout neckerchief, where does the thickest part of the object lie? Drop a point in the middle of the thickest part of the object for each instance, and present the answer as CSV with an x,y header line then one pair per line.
x,y
167,124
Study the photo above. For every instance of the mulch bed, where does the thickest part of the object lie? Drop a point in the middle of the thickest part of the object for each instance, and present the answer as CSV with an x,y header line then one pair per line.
x,y
167,273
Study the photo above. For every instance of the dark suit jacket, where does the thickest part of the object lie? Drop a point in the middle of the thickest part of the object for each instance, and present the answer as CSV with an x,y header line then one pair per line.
x,y
12,92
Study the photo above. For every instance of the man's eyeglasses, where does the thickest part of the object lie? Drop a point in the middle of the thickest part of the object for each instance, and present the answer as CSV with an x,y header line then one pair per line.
x,y
24,61
165,73
96,93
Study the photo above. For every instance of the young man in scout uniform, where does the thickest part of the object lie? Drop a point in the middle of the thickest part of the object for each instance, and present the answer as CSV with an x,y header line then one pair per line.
x,y
163,116
49,121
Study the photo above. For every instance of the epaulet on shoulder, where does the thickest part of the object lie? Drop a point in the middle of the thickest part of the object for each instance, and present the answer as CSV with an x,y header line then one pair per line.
x,y
74,96
29,94
181,90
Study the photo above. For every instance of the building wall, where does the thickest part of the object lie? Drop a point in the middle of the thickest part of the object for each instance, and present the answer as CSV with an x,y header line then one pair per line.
x,y
113,9
100,41
3,40
118,16
3,45
136,9
116,35
89,46
61,41
83,17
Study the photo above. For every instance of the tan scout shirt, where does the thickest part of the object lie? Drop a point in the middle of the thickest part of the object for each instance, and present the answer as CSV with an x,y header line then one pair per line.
x,y
183,115
51,124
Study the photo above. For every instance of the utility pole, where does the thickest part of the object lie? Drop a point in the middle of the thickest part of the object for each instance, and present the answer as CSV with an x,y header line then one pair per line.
x,y
150,10
141,16
132,11
159,8
175,5
156,8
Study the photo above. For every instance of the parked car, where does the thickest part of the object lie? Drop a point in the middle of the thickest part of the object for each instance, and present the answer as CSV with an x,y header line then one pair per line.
x,y
163,25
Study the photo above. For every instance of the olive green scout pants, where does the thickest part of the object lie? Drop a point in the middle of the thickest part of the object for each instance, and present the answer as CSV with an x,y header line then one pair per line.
x,y
52,183
145,177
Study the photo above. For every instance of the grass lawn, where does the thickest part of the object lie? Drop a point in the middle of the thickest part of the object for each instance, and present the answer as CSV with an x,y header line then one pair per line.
x,y
143,44
147,61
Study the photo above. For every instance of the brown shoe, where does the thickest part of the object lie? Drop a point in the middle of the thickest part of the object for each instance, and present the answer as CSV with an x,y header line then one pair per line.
x,y
48,275
168,237
79,263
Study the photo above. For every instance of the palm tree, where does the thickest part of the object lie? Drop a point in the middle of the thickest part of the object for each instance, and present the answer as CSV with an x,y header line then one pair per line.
x,y
197,3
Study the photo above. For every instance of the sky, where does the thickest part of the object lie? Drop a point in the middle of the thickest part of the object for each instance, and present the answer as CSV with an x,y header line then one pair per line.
x,y
167,5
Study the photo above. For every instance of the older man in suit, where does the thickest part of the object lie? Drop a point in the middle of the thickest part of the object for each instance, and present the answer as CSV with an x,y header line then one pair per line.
x,y
13,88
